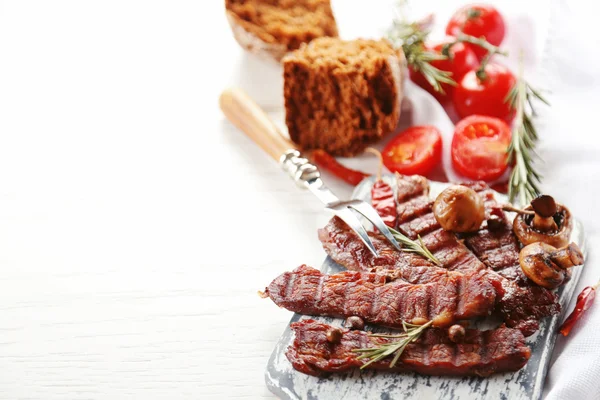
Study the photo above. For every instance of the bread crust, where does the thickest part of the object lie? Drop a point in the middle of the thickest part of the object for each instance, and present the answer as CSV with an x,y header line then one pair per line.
x,y
272,29
247,36
341,96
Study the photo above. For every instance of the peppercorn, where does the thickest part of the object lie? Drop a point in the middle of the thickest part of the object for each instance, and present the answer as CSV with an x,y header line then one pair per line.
x,y
334,335
354,323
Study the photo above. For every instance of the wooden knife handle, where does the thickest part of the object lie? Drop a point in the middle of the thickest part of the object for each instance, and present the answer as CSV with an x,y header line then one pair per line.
x,y
245,114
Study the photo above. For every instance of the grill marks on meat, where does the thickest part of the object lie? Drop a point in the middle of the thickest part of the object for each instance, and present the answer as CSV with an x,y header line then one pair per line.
x,y
377,301
482,353
415,218
344,246
520,306
497,248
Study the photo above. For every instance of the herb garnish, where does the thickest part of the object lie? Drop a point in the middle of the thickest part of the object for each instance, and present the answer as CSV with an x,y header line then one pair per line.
x,y
411,37
524,178
412,246
411,333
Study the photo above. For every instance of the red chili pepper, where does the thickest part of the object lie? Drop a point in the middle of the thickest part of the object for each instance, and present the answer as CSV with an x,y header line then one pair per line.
x,y
329,163
584,302
382,196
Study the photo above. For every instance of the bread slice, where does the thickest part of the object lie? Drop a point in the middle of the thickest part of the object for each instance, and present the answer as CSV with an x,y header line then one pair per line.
x,y
271,28
341,96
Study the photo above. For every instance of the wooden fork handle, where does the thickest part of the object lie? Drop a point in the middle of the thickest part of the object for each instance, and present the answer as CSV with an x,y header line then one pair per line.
x,y
245,114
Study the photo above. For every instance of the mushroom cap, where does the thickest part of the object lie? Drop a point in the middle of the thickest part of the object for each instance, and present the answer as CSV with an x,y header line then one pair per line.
x,y
544,206
527,234
537,265
459,209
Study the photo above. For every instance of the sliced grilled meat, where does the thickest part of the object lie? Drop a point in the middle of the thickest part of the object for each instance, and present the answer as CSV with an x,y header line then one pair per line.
x,y
416,219
497,246
344,246
520,306
373,298
481,353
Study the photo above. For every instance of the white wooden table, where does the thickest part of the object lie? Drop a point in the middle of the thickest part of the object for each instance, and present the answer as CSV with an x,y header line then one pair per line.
x,y
136,225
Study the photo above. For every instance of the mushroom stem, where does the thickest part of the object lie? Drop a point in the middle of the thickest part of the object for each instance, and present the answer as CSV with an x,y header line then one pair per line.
x,y
508,207
544,224
568,256
545,207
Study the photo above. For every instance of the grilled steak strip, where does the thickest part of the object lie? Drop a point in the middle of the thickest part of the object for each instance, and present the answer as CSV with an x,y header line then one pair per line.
x,y
344,246
415,218
373,298
498,248
482,353
520,306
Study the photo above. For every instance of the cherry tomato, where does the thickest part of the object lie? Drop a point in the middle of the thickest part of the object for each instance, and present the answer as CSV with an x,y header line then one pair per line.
x,y
485,97
415,151
478,20
479,147
461,60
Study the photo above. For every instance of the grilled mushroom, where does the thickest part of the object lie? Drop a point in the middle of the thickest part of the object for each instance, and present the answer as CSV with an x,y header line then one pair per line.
x,y
546,265
459,209
543,221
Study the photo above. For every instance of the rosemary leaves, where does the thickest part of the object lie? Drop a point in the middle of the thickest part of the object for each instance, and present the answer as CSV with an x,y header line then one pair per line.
x,y
490,49
411,333
414,246
411,37
524,179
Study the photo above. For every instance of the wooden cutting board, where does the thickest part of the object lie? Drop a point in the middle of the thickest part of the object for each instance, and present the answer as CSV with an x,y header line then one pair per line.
x,y
287,383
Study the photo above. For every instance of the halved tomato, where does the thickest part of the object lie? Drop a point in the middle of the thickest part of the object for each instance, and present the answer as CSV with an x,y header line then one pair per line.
x,y
479,147
415,151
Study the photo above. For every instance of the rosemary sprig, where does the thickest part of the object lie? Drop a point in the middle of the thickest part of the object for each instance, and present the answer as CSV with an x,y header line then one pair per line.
x,y
524,178
484,44
413,246
411,333
411,38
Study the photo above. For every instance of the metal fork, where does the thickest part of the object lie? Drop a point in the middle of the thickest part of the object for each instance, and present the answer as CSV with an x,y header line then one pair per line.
x,y
244,113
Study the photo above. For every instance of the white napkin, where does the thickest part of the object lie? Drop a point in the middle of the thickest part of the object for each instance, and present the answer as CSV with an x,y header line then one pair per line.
x,y
571,150
561,55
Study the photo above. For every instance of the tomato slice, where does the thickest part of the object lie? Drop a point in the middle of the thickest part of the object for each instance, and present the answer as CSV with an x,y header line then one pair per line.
x,y
479,147
415,151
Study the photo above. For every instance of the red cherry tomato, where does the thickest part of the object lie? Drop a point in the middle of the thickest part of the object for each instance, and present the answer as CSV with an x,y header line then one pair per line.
x,y
415,151
478,20
479,147
487,96
461,60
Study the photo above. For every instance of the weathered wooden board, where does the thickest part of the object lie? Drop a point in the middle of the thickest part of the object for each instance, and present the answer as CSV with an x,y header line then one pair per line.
x,y
527,383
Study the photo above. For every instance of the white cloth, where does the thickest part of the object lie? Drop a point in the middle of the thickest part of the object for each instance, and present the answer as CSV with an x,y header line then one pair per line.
x,y
560,56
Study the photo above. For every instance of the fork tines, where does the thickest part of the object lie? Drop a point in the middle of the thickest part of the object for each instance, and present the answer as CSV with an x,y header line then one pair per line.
x,y
343,210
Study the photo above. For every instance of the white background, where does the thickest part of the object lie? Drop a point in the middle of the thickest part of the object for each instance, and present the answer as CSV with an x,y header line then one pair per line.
x,y
136,225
